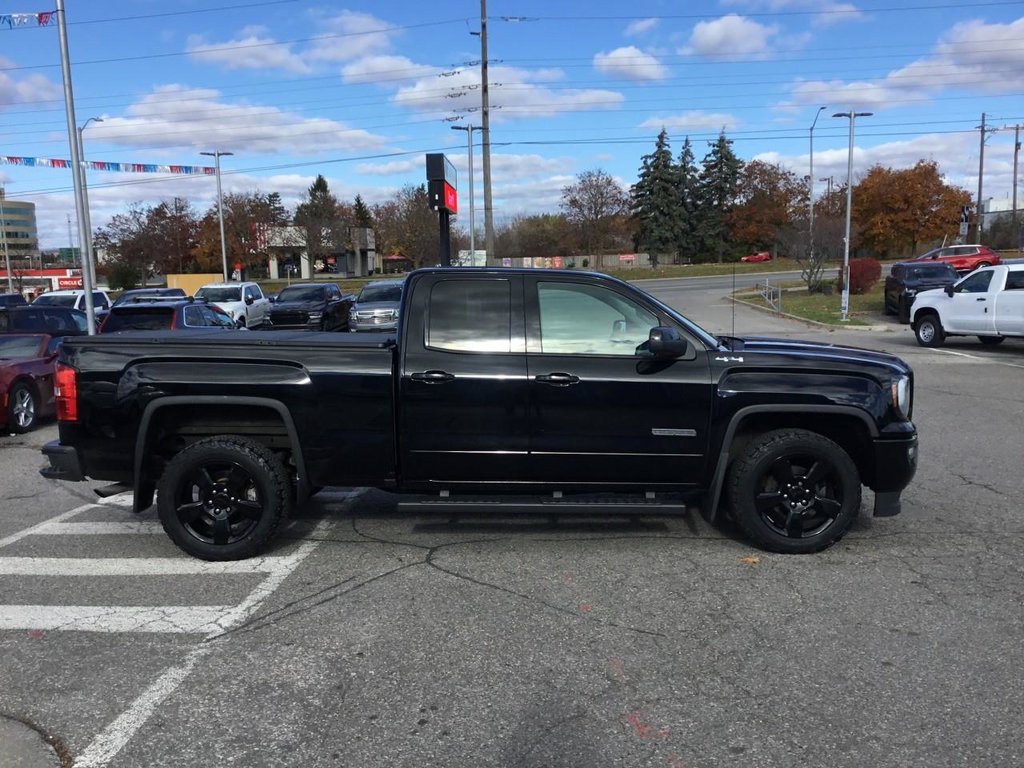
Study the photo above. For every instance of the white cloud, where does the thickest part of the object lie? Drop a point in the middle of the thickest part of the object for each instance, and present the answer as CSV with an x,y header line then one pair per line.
x,y
824,12
630,62
692,121
27,90
640,26
174,116
396,167
352,35
731,37
251,50
513,95
384,70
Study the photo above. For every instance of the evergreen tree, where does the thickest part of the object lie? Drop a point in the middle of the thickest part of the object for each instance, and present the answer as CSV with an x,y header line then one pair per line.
x,y
655,202
361,214
320,217
688,191
719,182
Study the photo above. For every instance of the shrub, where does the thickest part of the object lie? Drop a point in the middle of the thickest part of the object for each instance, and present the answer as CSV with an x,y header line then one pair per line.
x,y
864,273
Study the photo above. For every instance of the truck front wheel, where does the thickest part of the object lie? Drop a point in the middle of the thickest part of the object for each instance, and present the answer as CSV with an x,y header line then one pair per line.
x,y
929,331
222,498
794,491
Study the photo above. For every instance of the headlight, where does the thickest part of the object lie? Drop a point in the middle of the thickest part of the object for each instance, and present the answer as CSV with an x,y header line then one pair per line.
x,y
902,396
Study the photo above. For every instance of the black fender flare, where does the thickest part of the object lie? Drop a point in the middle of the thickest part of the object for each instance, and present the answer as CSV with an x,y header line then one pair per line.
x,y
144,489
714,492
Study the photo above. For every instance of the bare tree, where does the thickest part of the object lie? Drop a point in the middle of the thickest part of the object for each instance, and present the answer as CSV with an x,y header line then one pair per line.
x,y
599,208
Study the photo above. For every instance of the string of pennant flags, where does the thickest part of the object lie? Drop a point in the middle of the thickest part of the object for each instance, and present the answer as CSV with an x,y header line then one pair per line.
x,y
12,20
100,165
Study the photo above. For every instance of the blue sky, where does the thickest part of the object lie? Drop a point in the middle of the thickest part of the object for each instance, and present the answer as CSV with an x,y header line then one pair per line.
x,y
359,91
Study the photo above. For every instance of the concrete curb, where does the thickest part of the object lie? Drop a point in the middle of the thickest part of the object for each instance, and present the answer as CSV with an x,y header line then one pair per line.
x,y
25,746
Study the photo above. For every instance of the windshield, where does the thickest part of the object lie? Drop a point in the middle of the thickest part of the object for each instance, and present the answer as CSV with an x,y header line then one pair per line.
x,y
932,270
220,294
302,293
128,296
57,299
374,293
19,347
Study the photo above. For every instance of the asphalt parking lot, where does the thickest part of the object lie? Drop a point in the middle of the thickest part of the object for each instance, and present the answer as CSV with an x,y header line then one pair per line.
x,y
368,637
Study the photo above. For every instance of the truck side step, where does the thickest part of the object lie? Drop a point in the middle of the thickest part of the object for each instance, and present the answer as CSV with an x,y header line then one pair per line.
x,y
112,490
631,504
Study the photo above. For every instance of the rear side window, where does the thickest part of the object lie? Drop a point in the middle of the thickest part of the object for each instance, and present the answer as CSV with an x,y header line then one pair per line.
x,y
139,320
470,316
1015,281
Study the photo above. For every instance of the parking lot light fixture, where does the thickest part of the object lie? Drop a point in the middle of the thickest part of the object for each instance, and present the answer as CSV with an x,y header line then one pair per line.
x,y
852,117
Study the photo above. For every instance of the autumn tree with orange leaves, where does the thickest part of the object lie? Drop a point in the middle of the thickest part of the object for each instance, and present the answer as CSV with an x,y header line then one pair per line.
x,y
898,210
770,200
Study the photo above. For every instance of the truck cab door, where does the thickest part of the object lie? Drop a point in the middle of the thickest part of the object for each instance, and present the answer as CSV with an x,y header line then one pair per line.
x,y
972,309
604,410
462,396
1009,309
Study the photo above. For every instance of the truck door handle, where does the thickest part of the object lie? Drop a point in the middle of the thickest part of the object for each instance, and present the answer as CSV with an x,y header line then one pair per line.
x,y
980,298
433,377
558,379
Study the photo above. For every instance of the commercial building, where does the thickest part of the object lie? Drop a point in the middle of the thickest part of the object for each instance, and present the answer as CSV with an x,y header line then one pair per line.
x,y
18,231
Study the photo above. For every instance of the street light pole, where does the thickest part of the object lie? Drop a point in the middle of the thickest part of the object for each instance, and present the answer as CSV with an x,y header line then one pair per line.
x,y
472,214
87,245
216,155
810,192
852,116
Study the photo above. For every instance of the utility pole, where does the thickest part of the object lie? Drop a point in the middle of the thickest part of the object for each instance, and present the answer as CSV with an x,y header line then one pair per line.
x,y
845,305
1016,152
981,172
488,210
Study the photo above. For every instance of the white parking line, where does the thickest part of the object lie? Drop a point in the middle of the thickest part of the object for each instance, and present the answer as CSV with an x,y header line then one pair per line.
x,y
99,529
115,618
8,540
134,566
979,358
112,739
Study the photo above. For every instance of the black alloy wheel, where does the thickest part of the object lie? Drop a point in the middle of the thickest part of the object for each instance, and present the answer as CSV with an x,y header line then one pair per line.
x,y
794,491
222,498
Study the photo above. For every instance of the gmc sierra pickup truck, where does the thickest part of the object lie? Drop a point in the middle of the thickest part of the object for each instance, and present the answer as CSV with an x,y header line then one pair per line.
x,y
549,390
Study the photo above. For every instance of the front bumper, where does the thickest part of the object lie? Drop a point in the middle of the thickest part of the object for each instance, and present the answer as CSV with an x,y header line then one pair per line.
x,y
895,466
65,463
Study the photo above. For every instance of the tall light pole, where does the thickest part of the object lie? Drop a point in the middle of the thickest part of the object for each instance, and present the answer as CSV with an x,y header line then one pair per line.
x,y
486,128
472,211
810,192
852,116
217,155
87,254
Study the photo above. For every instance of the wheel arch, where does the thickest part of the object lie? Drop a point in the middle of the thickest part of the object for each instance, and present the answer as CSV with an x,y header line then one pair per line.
x,y
849,427
265,420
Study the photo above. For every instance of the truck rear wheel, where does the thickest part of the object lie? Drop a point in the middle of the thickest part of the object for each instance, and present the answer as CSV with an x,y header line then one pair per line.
x,y
794,491
222,498
929,331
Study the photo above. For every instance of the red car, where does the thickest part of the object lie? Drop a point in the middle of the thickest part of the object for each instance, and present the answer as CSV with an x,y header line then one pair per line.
x,y
964,258
757,257
27,363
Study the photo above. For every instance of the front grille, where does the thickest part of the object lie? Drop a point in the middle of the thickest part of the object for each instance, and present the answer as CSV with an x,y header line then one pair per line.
x,y
289,318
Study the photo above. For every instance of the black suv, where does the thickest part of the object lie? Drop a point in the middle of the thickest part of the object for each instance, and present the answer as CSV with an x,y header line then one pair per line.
x,y
908,278
164,314
311,306
12,300
43,318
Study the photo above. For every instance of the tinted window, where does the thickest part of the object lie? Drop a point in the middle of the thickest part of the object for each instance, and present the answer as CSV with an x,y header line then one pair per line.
x,y
302,293
99,300
213,318
590,320
1015,281
927,271
194,318
219,294
139,319
19,347
12,299
56,299
976,283
470,316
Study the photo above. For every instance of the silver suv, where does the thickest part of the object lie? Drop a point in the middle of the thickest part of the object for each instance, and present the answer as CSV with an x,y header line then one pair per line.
x,y
376,307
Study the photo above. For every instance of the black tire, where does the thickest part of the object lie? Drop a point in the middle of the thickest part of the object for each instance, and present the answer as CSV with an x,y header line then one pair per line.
x,y
991,340
22,408
887,308
794,491
242,322
223,497
929,331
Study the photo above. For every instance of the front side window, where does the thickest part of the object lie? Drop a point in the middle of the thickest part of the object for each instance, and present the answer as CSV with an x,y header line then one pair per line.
x,y
591,320
976,283
470,316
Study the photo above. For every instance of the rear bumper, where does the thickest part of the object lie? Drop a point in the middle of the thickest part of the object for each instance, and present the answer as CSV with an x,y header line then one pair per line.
x,y
65,463
895,466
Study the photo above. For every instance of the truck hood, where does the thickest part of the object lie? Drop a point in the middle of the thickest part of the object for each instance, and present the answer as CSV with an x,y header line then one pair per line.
x,y
759,351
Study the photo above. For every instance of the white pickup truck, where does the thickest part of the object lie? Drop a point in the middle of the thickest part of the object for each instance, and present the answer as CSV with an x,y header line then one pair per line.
x,y
988,303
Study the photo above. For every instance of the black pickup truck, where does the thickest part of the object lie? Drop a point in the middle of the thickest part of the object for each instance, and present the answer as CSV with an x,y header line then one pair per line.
x,y
549,390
